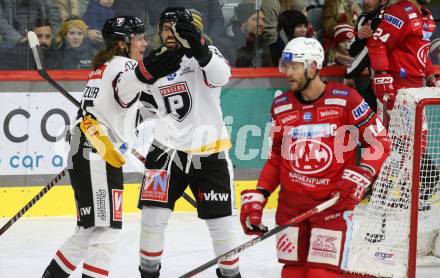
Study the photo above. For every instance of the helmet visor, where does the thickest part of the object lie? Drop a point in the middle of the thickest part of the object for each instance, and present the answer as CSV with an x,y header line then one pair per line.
x,y
286,60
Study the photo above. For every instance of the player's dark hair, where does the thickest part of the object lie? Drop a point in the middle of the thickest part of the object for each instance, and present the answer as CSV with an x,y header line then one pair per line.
x,y
106,54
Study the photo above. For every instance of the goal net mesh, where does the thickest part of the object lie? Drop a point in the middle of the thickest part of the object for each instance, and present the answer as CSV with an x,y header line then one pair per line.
x,y
380,240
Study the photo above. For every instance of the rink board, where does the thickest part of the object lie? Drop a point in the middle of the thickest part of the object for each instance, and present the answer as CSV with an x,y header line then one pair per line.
x,y
60,200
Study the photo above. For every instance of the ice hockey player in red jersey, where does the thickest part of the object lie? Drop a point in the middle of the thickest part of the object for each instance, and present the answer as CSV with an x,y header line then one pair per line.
x,y
399,50
399,55
317,126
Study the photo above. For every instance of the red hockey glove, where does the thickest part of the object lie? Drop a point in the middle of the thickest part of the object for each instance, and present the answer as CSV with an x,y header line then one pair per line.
x,y
352,187
382,85
252,204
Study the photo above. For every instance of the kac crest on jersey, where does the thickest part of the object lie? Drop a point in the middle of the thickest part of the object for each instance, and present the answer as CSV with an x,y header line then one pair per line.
x,y
177,99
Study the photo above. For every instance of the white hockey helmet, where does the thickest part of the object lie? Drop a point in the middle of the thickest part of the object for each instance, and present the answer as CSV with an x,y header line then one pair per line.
x,y
302,50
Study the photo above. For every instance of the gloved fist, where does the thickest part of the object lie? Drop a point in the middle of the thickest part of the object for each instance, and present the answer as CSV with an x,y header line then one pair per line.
x,y
159,63
352,187
252,204
382,85
187,34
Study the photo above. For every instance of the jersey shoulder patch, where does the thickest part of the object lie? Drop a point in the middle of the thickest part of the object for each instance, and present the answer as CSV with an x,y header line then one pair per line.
x,y
281,104
337,90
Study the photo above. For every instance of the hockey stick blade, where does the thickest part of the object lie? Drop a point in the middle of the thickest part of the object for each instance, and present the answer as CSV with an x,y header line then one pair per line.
x,y
34,45
264,236
43,191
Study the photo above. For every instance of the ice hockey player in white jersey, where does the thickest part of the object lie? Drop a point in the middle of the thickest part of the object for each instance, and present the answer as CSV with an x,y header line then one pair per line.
x,y
99,140
190,146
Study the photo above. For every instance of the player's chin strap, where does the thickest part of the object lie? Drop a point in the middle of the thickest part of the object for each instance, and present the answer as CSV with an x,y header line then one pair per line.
x,y
308,80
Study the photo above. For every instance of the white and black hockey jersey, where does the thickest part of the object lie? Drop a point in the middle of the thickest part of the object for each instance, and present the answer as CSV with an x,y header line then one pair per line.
x,y
189,115
109,97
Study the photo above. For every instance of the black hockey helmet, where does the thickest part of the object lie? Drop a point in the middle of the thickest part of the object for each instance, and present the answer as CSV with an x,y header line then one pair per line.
x,y
175,14
121,28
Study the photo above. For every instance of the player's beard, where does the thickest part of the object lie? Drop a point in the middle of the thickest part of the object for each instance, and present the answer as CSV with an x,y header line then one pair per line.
x,y
171,43
298,84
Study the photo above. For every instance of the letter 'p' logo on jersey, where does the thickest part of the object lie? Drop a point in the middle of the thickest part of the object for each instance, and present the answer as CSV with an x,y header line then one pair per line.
x,y
177,99
117,204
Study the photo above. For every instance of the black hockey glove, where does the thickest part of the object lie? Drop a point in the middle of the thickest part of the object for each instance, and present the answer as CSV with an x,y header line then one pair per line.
x,y
199,48
159,63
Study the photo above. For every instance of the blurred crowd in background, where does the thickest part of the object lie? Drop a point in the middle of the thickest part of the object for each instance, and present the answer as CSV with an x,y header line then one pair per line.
x,y
249,33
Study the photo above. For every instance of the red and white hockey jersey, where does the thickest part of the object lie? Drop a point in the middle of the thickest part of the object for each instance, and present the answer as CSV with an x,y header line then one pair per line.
x,y
313,142
400,44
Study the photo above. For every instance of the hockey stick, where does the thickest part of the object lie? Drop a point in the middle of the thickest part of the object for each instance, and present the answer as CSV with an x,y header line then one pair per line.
x,y
33,201
385,115
394,181
256,240
34,45
378,237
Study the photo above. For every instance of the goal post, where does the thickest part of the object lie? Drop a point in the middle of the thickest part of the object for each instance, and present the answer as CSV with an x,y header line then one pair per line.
x,y
405,201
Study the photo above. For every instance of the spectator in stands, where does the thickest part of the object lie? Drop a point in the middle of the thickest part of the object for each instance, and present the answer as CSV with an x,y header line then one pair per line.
x,y
210,10
77,50
271,10
336,12
136,8
366,23
339,53
83,4
18,16
95,16
291,24
68,8
290,4
19,58
314,15
300,6
248,29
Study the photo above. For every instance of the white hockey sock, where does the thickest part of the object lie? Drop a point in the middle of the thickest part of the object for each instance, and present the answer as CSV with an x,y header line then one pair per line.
x,y
154,221
102,244
224,234
73,250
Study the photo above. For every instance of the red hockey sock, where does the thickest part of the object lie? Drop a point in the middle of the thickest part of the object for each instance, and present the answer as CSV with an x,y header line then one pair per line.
x,y
322,272
291,271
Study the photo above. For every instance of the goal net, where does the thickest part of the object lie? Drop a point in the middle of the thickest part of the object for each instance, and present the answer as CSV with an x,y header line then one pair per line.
x,y
384,241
